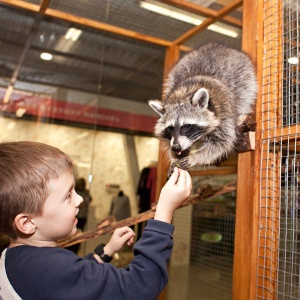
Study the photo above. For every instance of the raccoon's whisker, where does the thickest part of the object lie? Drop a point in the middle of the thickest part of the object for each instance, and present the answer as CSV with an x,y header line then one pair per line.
x,y
195,136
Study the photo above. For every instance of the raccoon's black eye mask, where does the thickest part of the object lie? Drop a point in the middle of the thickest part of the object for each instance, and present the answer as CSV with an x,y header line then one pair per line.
x,y
191,131
168,132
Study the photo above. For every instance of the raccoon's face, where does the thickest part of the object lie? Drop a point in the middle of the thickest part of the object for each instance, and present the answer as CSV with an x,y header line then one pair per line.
x,y
185,124
183,137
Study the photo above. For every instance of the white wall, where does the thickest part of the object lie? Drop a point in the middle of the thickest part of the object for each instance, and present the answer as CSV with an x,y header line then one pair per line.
x,y
107,162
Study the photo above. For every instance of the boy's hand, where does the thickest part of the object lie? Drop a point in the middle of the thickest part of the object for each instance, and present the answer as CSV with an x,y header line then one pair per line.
x,y
119,237
173,194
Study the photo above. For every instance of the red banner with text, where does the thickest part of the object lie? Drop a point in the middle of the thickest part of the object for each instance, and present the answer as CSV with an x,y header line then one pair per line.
x,y
45,108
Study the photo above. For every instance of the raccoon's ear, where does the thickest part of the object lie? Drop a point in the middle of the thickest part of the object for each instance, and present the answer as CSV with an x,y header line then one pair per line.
x,y
201,98
157,106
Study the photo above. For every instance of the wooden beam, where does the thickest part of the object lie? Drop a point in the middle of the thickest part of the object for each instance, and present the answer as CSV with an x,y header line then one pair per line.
x,y
172,55
22,4
44,5
204,11
247,202
271,161
217,171
221,14
87,22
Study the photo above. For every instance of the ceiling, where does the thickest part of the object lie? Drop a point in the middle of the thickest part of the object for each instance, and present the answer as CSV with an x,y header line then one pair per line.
x,y
121,50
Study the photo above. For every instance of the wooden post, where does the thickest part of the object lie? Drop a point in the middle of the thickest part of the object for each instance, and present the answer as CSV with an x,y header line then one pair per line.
x,y
172,55
270,186
246,226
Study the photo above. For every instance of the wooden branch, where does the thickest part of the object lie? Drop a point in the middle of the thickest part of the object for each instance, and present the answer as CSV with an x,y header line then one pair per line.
x,y
106,225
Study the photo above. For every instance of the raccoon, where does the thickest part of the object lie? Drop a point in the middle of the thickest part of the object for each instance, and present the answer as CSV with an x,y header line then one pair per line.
x,y
207,94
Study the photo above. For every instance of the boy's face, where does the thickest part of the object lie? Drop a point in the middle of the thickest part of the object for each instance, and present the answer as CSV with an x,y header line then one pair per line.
x,y
58,219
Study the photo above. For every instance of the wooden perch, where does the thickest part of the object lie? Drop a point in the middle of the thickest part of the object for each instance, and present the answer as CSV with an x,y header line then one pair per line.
x,y
247,135
108,225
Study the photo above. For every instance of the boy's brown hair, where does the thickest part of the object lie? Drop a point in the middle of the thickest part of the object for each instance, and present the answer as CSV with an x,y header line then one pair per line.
x,y
25,170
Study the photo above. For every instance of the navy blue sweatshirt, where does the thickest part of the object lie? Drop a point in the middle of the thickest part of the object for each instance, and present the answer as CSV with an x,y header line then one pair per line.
x,y
55,273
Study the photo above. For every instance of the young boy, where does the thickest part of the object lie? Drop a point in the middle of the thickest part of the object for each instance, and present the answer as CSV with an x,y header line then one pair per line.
x,y
38,206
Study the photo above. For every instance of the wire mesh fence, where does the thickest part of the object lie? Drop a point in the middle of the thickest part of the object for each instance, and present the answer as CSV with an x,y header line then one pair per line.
x,y
278,251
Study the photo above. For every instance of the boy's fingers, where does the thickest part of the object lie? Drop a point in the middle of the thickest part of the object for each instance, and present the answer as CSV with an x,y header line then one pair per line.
x,y
127,236
174,177
125,229
182,177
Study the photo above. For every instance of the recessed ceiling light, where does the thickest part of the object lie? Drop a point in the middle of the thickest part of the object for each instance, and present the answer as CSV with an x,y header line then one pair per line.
x,y
46,56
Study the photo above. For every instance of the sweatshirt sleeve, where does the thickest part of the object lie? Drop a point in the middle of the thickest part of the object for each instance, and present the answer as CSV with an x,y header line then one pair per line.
x,y
60,274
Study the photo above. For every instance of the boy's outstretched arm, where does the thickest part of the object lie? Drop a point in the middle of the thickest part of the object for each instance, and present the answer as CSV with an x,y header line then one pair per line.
x,y
173,194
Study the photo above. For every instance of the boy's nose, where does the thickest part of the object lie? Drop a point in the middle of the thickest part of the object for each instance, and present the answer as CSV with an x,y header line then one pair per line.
x,y
78,201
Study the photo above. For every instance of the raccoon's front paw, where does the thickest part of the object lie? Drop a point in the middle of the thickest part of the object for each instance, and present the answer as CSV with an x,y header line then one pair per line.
x,y
185,163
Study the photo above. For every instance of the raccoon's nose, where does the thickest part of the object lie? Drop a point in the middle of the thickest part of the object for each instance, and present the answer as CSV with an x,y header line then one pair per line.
x,y
176,148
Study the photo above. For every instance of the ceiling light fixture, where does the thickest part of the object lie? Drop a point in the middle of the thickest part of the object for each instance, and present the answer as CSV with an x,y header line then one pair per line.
x,y
46,56
73,34
178,14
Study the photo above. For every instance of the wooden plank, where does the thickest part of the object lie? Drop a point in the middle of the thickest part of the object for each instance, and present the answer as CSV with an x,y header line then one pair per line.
x,y
44,5
270,184
204,11
22,4
246,213
283,132
172,55
221,14
217,171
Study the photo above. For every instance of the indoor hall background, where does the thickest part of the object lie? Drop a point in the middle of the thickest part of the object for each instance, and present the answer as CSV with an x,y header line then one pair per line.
x,y
278,269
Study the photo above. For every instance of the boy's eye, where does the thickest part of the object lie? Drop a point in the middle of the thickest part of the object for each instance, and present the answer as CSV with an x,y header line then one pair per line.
x,y
69,195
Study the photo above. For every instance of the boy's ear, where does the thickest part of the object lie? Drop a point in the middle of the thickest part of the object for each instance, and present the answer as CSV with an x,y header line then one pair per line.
x,y
25,223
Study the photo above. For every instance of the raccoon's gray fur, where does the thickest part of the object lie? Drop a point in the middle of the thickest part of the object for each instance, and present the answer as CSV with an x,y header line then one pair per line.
x,y
206,95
